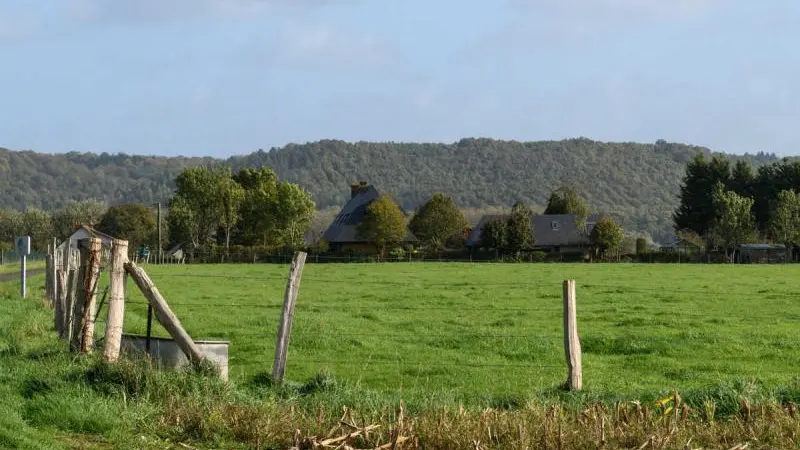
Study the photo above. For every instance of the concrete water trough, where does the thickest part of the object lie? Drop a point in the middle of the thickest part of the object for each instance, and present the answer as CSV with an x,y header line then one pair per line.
x,y
166,353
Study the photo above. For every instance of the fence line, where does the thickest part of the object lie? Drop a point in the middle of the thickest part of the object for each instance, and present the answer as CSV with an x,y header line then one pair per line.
x,y
571,335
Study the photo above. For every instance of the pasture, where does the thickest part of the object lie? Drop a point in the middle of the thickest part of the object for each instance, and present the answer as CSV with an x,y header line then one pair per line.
x,y
477,331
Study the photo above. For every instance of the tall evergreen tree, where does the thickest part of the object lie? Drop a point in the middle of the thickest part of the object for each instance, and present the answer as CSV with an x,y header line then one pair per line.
x,y
696,210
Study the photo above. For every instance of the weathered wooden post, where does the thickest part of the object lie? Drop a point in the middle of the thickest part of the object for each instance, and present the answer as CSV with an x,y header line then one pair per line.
x,y
58,310
572,344
285,328
82,337
116,300
90,286
54,273
69,296
163,313
47,265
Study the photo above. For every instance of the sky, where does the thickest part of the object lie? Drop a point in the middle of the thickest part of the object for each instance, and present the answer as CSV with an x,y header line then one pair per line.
x,y
225,77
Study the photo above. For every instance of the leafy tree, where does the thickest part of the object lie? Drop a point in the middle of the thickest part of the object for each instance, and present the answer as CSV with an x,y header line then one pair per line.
x,y
133,222
231,196
38,225
520,235
606,235
566,200
258,209
77,213
696,211
12,225
691,237
197,208
384,224
294,211
437,221
784,225
495,234
734,223
183,227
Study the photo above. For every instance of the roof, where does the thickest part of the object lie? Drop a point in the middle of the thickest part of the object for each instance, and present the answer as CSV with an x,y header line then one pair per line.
x,y
550,230
96,233
762,247
344,228
680,243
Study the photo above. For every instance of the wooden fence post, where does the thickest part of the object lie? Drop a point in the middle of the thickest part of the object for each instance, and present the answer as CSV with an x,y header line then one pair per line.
x,y
572,344
79,295
90,286
116,300
163,313
285,328
82,337
54,273
48,282
58,310
69,303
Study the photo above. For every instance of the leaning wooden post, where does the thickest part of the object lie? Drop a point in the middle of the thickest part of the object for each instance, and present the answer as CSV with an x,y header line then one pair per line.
x,y
572,344
285,328
116,300
163,313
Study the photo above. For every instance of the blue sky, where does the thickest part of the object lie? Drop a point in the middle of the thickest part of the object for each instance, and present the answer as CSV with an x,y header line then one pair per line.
x,y
223,77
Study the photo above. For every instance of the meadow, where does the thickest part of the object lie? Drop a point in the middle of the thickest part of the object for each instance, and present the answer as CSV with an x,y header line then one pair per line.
x,y
478,333
422,350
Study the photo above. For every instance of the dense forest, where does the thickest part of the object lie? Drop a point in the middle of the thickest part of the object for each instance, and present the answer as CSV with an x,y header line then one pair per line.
x,y
637,182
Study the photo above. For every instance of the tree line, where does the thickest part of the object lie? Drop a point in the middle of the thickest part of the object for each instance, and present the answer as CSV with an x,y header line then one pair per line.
x,y
723,206
637,182
440,224
211,206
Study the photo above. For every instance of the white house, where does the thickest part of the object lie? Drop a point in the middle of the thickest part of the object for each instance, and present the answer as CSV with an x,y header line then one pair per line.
x,y
85,232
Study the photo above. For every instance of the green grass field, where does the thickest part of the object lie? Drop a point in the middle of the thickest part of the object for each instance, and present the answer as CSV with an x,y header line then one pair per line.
x,y
472,332
438,337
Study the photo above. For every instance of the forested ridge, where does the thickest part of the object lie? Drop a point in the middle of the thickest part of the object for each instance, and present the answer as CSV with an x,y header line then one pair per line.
x,y
639,182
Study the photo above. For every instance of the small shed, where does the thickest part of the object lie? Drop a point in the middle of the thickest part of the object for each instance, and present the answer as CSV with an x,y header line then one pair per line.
x,y
761,253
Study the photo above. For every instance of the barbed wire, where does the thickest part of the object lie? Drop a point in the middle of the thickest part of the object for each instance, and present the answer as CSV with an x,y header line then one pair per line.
x,y
424,363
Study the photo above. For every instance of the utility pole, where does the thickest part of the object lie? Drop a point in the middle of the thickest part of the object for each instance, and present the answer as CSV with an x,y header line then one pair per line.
x,y
160,258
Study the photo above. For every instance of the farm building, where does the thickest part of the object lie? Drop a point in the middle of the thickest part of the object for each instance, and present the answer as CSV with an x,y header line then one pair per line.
x,y
761,253
85,232
681,247
342,234
552,232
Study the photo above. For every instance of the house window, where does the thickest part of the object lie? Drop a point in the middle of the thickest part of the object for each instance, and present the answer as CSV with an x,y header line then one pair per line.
x,y
554,225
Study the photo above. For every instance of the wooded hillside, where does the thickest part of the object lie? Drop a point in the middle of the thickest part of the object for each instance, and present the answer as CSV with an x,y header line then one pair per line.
x,y
637,181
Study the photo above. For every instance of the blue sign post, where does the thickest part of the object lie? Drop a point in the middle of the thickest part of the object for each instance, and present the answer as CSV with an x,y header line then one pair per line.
x,y
23,250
